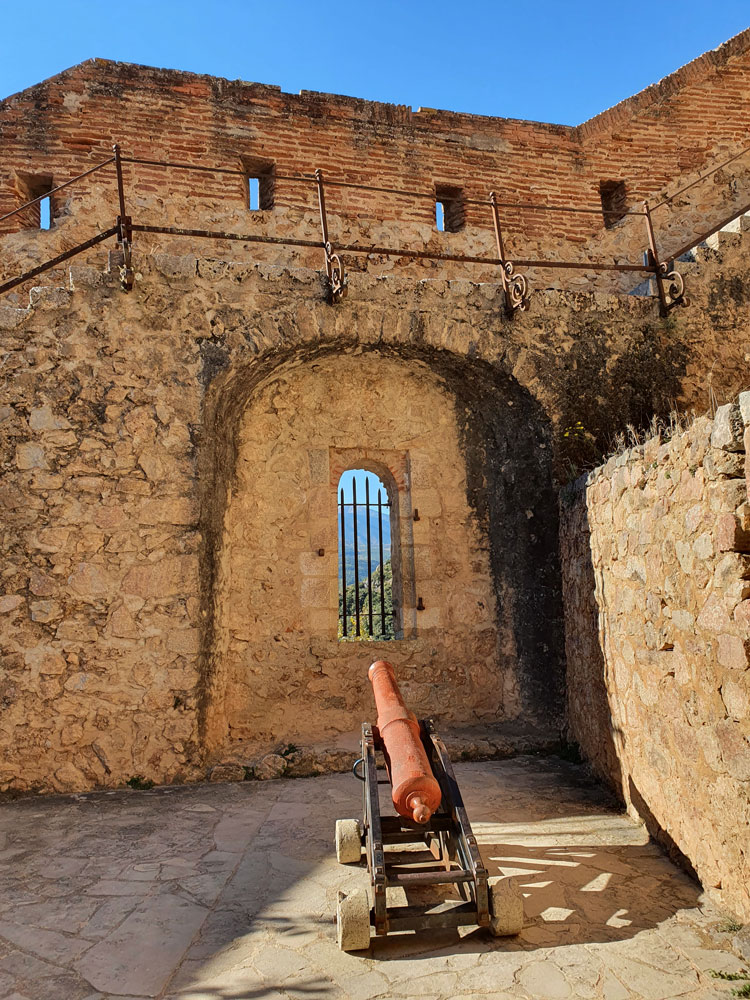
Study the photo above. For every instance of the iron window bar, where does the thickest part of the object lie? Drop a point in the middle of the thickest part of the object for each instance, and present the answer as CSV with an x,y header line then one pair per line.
x,y
364,606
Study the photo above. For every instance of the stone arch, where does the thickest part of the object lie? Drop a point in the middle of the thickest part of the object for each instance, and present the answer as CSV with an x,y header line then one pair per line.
x,y
503,436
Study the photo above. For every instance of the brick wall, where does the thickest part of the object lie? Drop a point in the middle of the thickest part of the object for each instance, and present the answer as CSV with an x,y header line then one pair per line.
x,y
60,127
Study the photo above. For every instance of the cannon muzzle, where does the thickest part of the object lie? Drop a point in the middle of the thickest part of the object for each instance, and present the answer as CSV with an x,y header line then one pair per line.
x,y
415,792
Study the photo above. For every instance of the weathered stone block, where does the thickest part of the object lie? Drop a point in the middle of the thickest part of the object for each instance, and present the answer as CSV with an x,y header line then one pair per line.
x,y
45,660
726,495
185,641
703,546
728,429
30,455
315,592
506,907
228,772
271,766
682,620
734,743
173,266
718,463
43,418
730,536
45,611
69,778
171,510
172,575
81,276
10,603
736,697
91,581
48,297
10,317
732,652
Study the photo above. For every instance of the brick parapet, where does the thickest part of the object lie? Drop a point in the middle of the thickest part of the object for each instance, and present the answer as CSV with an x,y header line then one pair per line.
x,y
65,124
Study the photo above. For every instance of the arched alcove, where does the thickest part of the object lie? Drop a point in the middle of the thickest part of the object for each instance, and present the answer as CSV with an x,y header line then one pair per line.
x,y
286,675
467,451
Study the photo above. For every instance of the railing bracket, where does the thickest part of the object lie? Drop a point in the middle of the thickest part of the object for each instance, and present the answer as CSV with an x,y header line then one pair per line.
x,y
337,279
515,286
674,294
124,227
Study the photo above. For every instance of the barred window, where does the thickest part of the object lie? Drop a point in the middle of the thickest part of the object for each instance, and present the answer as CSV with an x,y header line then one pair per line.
x,y
366,609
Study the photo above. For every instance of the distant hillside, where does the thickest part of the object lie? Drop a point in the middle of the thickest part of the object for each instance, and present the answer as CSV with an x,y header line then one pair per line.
x,y
362,541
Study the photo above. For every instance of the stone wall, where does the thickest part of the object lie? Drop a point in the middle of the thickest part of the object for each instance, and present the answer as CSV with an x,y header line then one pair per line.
x,y
655,549
652,143
127,431
100,548
123,426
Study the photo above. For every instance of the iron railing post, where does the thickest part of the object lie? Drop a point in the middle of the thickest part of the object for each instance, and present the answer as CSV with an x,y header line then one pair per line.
x,y
652,255
124,232
515,286
356,557
676,283
343,565
334,266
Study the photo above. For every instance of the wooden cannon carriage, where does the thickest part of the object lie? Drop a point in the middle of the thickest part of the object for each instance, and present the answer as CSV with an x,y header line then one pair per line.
x,y
428,842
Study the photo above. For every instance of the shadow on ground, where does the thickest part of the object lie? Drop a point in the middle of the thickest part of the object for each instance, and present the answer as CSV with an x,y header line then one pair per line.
x,y
228,893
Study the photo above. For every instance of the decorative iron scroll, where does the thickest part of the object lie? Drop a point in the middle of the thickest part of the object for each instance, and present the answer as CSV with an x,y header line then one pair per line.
x,y
676,285
516,287
336,274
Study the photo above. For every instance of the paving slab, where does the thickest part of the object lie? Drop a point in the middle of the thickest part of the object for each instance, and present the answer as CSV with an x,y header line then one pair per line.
x,y
228,892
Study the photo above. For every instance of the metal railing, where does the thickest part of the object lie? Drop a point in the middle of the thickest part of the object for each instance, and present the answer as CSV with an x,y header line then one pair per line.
x,y
656,264
365,614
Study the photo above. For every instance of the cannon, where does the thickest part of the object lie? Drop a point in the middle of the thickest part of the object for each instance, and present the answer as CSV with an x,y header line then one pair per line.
x,y
426,841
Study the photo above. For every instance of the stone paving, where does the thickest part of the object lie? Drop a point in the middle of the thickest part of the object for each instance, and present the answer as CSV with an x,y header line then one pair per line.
x,y
227,892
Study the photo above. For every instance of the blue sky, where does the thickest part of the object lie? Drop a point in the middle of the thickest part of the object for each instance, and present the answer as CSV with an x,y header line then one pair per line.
x,y
361,477
551,60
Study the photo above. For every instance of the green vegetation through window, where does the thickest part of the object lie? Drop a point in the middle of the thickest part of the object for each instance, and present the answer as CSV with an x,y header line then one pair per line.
x,y
365,568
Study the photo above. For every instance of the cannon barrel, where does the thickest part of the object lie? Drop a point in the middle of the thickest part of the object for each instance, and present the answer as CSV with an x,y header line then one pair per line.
x,y
415,792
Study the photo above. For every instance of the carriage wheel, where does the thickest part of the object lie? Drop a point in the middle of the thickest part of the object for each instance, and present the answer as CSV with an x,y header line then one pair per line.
x,y
348,841
506,907
353,921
